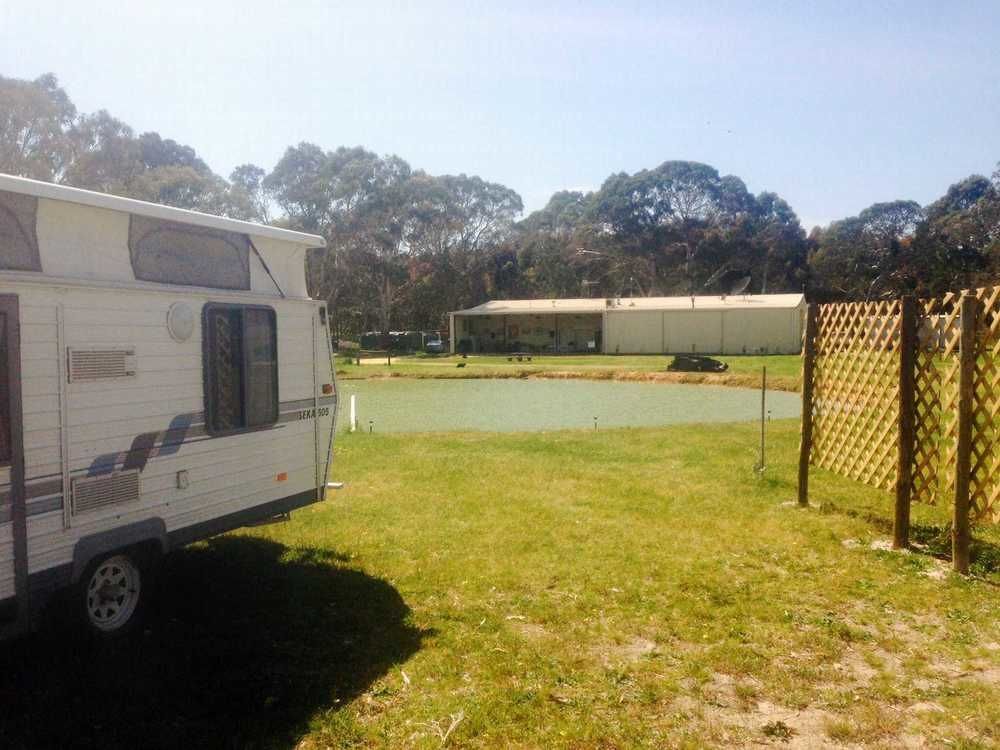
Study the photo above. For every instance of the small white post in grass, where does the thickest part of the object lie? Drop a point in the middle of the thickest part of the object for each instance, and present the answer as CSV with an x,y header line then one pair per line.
x,y
763,416
354,412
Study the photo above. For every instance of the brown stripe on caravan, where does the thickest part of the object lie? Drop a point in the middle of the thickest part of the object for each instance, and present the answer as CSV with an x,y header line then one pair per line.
x,y
35,489
185,429
35,507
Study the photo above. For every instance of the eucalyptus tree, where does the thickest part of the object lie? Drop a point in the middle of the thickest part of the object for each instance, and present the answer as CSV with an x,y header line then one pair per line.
x,y
673,214
460,232
959,243
866,256
34,119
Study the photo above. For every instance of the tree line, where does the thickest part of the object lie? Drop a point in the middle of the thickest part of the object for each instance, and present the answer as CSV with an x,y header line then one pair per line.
x,y
405,246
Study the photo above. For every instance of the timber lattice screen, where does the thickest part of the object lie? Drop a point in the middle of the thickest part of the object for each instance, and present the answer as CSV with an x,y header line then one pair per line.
x,y
856,397
856,390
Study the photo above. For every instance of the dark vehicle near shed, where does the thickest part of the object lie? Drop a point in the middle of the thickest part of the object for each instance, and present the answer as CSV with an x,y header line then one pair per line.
x,y
696,363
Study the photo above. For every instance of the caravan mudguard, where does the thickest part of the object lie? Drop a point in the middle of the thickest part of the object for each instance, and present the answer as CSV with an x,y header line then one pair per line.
x,y
90,547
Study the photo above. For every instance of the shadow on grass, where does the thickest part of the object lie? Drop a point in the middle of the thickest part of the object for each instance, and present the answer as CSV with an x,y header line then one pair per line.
x,y
243,644
929,539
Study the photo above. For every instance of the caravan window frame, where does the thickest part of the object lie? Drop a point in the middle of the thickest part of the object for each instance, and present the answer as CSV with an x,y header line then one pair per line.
x,y
208,370
9,371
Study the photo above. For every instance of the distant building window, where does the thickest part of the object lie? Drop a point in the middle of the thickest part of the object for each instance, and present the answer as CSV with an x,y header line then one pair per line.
x,y
168,252
18,238
241,367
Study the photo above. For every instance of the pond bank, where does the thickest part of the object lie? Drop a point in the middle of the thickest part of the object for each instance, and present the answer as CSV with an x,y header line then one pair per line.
x,y
728,379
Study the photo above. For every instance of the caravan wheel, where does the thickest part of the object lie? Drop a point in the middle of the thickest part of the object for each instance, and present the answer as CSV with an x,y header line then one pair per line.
x,y
111,593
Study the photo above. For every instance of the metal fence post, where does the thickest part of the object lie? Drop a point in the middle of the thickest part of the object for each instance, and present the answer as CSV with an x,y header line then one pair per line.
x,y
808,367
960,532
907,407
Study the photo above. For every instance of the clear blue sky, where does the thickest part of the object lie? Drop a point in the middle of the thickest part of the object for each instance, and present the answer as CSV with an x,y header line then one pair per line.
x,y
834,105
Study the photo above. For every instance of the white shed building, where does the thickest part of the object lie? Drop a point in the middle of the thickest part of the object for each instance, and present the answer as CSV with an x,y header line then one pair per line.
x,y
745,324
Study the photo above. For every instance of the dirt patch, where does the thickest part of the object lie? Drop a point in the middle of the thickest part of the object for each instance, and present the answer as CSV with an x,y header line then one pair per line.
x,y
530,630
525,628
853,667
980,670
739,722
628,652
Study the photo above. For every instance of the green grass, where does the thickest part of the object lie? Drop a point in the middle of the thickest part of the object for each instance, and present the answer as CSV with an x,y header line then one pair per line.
x,y
644,587
624,588
783,370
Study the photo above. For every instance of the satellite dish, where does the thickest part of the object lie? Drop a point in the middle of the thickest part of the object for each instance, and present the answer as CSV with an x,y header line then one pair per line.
x,y
740,286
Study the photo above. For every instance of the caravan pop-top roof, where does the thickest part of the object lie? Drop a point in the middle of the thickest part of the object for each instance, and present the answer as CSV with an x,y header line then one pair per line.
x,y
68,233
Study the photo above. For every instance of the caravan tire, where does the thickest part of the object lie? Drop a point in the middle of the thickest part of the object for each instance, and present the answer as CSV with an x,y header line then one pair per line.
x,y
111,594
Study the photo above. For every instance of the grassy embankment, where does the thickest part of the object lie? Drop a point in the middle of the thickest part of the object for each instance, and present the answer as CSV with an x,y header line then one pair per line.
x,y
783,370
617,589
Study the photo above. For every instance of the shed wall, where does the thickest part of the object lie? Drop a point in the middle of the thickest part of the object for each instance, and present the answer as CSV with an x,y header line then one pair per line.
x,y
766,331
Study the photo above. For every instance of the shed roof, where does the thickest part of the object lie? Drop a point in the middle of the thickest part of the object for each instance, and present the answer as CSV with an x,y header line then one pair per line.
x,y
625,304
129,205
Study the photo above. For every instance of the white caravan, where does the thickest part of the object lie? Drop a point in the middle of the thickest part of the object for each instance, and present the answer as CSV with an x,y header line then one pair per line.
x,y
164,376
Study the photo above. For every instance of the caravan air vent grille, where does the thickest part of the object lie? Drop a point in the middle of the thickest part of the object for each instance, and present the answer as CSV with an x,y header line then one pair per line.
x,y
91,493
100,364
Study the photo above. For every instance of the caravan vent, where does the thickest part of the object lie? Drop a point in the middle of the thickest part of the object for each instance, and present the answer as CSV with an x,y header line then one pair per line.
x,y
91,493
100,364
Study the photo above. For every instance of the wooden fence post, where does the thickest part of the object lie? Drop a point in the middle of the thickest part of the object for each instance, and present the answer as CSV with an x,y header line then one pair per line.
x,y
808,366
960,533
907,407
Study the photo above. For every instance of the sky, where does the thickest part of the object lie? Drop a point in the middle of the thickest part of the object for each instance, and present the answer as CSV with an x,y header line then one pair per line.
x,y
832,105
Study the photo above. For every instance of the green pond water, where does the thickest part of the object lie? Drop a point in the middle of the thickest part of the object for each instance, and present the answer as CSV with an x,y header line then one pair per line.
x,y
402,405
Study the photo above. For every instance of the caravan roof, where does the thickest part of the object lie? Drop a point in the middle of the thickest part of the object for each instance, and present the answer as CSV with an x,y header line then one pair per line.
x,y
58,233
154,210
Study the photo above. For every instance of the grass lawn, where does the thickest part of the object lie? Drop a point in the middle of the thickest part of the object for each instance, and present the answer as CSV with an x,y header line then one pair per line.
x,y
624,588
783,369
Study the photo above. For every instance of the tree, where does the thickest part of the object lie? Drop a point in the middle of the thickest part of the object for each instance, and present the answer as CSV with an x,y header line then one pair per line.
x,y
460,225
677,215
869,255
106,154
958,246
361,203
249,195
34,119
779,245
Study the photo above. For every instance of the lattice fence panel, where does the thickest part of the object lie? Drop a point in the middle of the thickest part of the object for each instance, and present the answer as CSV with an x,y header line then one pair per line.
x,y
937,381
928,426
984,487
936,398
856,390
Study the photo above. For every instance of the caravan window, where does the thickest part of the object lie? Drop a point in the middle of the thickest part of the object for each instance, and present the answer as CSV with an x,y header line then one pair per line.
x,y
241,367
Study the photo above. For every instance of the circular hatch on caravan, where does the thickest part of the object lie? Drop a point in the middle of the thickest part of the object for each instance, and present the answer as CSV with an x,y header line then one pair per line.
x,y
180,321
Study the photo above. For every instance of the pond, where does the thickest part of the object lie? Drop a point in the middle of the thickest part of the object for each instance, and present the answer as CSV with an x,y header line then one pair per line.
x,y
411,405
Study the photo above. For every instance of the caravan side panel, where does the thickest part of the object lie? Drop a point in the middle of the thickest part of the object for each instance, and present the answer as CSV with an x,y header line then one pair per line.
x,y
153,420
